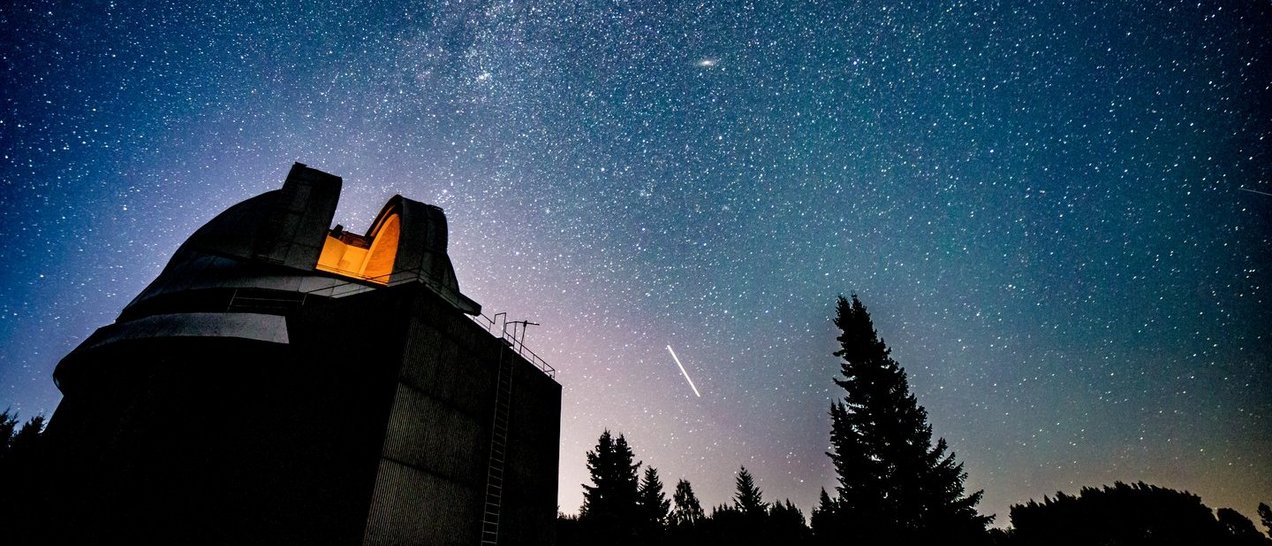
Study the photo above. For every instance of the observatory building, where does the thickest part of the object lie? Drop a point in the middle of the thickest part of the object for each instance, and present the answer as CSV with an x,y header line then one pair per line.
x,y
285,382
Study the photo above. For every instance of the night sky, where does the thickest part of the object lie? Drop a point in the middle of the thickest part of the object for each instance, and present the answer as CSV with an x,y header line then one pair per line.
x,y
1058,213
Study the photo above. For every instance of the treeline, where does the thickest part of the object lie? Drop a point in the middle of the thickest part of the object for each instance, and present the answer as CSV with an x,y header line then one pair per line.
x,y
1132,514
896,485
621,509
21,469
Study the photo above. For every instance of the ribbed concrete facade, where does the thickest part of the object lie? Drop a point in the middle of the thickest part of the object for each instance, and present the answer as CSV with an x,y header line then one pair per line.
x,y
439,434
254,395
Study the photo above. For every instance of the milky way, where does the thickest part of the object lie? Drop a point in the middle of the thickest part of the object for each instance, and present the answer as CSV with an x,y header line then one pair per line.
x,y
1056,214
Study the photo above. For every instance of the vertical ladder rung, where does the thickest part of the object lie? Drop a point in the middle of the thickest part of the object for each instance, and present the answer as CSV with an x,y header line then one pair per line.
x,y
498,447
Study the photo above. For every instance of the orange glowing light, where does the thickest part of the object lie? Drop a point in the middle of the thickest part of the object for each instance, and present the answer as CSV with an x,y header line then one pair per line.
x,y
367,257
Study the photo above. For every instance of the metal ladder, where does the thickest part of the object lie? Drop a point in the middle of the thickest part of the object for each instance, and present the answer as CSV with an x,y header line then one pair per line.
x,y
498,452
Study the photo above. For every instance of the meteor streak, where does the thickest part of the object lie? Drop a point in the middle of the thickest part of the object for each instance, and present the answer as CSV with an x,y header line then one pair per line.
x,y
682,371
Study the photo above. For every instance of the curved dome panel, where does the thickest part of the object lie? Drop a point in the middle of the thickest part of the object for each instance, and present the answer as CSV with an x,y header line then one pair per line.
x,y
281,241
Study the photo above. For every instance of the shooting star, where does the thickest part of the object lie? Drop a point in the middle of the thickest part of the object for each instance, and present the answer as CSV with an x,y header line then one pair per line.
x,y
682,371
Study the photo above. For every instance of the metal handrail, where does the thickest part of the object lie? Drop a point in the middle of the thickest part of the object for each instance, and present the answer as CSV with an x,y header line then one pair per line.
x,y
516,344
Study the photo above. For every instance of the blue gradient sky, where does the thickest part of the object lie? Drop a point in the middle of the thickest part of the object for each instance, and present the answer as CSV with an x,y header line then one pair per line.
x,y
1042,206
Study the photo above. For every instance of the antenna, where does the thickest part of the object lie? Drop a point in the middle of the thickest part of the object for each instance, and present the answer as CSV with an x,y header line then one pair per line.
x,y
520,342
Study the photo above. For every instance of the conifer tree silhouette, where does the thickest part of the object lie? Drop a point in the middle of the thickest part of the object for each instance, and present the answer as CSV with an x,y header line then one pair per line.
x,y
8,425
653,505
687,510
1265,517
1241,531
827,520
609,510
895,485
786,525
687,522
22,466
749,499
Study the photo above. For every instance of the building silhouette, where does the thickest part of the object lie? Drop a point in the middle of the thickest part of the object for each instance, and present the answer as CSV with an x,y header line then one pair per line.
x,y
281,382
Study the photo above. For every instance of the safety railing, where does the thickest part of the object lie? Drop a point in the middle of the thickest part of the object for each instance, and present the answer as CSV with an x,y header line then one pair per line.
x,y
516,344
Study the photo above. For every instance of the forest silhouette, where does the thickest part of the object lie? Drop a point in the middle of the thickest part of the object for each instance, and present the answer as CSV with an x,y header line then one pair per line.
x,y
895,485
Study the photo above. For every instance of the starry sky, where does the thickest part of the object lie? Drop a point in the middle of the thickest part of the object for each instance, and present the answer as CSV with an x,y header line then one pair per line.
x,y
1058,213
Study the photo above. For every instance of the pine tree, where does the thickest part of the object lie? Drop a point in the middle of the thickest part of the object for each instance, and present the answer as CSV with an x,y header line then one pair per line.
x,y
8,424
786,524
895,486
749,499
9,473
609,510
688,511
727,525
653,504
1265,517
826,520
26,440
21,467
1239,528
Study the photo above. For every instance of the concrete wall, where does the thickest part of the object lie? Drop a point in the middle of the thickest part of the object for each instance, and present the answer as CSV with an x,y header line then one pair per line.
x,y
432,480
